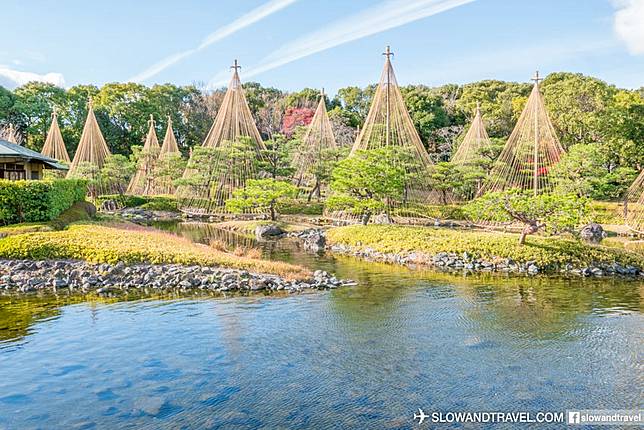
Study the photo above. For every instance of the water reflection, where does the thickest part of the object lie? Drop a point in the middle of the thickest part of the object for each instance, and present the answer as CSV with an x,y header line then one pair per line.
x,y
351,358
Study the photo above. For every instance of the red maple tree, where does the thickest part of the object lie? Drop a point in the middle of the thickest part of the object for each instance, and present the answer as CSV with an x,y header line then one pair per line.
x,y
294,117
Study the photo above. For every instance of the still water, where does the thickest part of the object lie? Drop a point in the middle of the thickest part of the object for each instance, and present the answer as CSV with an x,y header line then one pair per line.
x,y
360,357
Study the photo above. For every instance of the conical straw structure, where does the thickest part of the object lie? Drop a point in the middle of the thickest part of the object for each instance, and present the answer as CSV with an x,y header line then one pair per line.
x,y
389,125
10,134
170,145
635,205
476,139
531,151
142,183
92,148
228,157
54,145
169,159
310,157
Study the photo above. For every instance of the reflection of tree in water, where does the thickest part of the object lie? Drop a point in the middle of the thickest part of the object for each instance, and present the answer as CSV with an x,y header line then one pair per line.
x,y
381,288
531,307
542,308
205,233
18,314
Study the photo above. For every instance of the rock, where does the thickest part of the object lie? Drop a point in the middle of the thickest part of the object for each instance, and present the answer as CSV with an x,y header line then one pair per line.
x,y
88,207
596,271
268,230
257,284
315,242
60,283
119,278
593,233
109,206
383,218
185,284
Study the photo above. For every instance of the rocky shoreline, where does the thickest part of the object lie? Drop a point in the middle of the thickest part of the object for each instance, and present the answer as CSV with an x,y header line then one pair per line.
x,y
25,276
464,263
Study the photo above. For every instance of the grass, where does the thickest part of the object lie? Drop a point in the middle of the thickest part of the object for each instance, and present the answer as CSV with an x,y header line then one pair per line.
x,y
620,242
545,251
611,213
110,243
78,212
25,227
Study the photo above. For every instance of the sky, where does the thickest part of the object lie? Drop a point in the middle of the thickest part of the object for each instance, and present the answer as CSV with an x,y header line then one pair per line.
x,y
293,44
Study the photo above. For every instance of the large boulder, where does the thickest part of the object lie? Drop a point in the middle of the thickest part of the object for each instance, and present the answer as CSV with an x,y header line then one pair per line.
x,y
383,218
593,233
88,207
268,231
315,241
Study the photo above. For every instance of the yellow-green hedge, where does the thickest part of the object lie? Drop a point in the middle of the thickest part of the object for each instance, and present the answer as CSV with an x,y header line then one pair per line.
x,y
544,251
131,244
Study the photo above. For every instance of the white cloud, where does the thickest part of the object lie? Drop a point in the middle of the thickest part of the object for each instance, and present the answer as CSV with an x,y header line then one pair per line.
x,y
629,24
240,23
20,78
383,16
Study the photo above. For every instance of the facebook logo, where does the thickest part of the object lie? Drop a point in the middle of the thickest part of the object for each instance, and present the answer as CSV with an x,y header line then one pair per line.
x,y
574,417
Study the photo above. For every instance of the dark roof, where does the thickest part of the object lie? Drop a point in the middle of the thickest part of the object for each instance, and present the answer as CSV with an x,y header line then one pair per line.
x,y
8,149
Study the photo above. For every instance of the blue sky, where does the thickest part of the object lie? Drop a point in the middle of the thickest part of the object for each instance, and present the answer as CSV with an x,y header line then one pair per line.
x,y
291,44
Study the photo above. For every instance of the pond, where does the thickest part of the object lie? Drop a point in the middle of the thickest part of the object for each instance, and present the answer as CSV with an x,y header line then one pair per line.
x,y
359,357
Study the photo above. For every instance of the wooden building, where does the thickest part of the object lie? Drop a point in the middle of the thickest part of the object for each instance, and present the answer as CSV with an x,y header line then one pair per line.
x,y
18,162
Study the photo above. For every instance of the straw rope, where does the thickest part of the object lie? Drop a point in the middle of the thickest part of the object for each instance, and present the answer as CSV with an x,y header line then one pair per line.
x,y
142,183
54,145
229,157
531,151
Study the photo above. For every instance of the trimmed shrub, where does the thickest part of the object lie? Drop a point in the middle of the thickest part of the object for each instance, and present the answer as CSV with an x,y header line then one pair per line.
x,y
161,203
300,207
37,201
152,203
125,200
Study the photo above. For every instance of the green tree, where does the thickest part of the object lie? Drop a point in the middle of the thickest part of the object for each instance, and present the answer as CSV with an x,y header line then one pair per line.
x,y
201,170
116,173
7,100
277,156
426,110
308,97
34,103
355,103
366,182
446,179
179,102
623,130
496,100
584,171
127,107
261,194
575,105
554,212
168,169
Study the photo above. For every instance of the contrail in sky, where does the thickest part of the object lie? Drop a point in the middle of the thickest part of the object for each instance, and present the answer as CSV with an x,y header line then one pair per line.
x,y
383,16
240,23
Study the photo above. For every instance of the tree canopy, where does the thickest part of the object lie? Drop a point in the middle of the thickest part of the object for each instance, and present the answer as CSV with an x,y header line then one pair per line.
x,y
584,111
